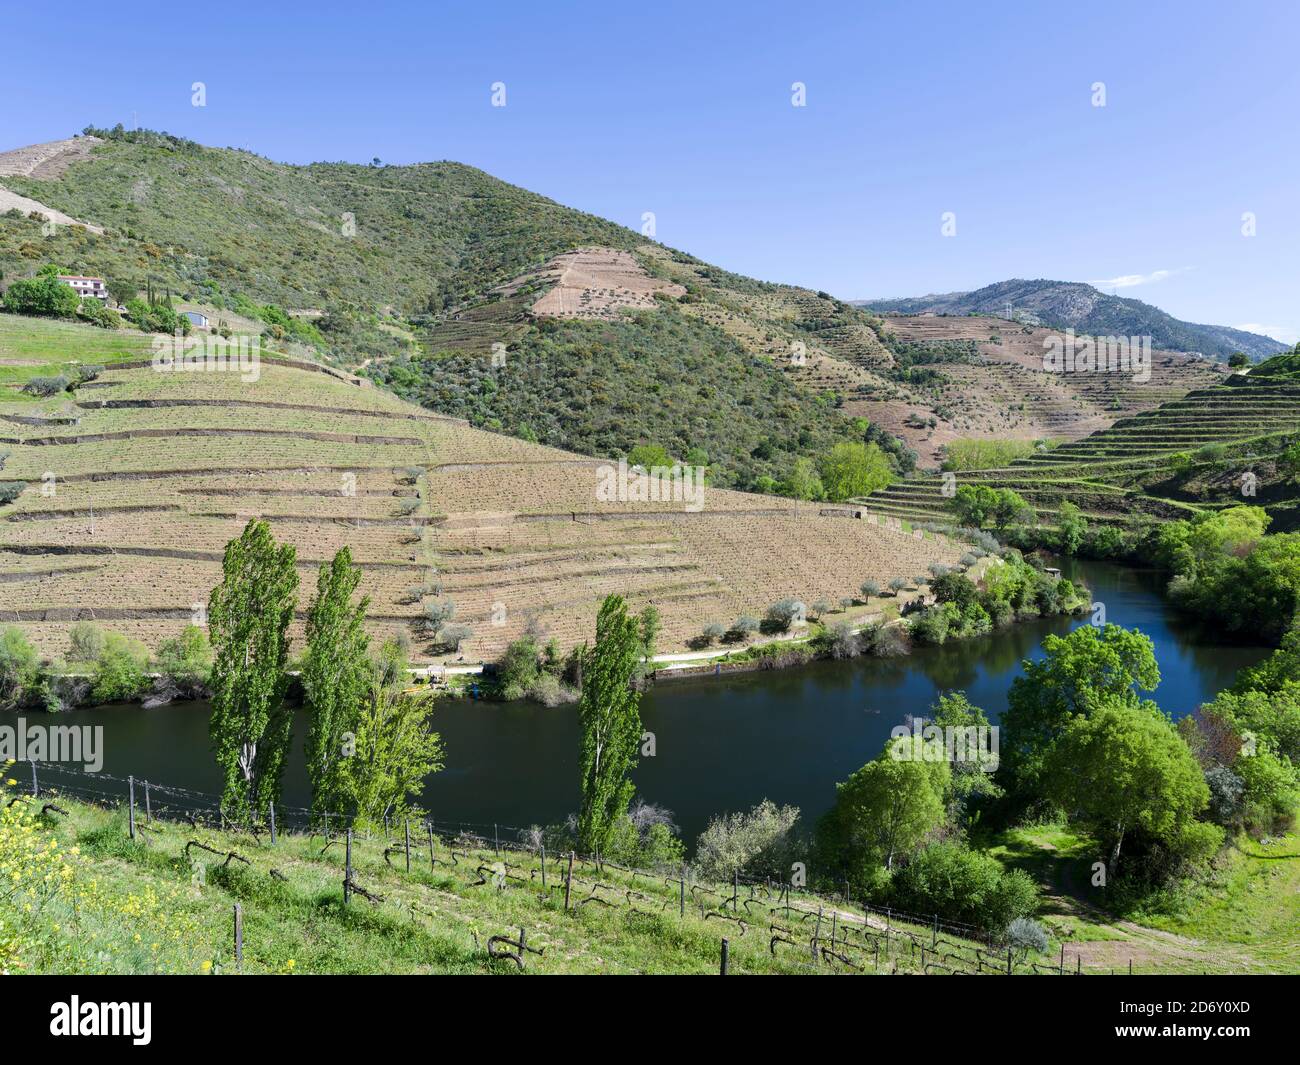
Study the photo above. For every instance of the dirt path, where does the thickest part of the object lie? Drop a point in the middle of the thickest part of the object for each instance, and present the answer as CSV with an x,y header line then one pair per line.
x,y
1104,942
43,162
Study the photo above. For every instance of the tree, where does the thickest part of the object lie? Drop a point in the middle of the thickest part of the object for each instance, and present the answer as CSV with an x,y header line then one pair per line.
x,y
248,616
19,667
85,642
1231,531
885,809
1010,508
96,312
1122,770
120,670
437,614
783,614
854,469
335,676
972,772
186,661
395,749
120,290
752,843
649,624
649,456
1073,527
45,296
979,505
609,713
956,588
519,668
1238,358
1289,462
1078,673
455,635
802,482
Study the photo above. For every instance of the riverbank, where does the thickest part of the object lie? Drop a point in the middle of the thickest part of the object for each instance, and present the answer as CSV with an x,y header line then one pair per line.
x,y
723,742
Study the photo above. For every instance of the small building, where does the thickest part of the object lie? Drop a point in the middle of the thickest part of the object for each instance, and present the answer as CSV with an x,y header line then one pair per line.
x,y
86,286
200,320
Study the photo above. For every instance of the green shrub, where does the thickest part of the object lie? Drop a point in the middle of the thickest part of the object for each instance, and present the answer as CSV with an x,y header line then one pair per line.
x,y
753,844
96,312
963,886
186,660
86,640
19,667
519,668
783,614
46,386
44,296
120,670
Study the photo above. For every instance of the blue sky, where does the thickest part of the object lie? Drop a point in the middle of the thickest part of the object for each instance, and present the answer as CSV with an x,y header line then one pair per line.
x,y
913,110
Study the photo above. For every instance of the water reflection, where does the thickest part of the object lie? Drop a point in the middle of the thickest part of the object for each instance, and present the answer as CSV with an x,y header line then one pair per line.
x,y
723,743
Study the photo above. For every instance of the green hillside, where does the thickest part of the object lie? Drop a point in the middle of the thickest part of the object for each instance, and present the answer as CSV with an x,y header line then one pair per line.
x,y
397,271
164,902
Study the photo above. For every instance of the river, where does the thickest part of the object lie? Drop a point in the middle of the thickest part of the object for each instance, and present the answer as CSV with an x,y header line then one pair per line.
x,y
722,743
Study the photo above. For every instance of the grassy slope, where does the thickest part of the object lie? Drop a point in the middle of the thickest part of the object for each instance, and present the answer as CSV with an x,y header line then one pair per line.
x,y
144,906
34,347
1245,920
432,920
424,246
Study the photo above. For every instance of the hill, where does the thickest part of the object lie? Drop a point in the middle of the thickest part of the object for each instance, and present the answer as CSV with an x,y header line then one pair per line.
x,y
1078,306
133,482
1216,446
984,378
410,274
483,301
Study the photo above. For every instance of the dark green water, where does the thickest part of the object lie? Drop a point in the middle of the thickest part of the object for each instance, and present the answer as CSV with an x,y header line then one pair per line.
x,y
722,743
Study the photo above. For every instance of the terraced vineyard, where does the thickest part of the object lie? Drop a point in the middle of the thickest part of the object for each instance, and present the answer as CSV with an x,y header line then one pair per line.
x,y
1005,392
1215,446
134,483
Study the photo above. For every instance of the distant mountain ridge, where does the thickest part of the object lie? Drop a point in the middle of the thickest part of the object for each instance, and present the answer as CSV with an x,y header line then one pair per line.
x,y
1079,306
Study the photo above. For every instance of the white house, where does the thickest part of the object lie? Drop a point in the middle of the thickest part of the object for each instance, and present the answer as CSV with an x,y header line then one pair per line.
x,y
200,320
86,286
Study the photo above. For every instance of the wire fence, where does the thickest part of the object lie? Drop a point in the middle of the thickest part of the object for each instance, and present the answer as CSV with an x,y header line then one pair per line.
x,y
839,931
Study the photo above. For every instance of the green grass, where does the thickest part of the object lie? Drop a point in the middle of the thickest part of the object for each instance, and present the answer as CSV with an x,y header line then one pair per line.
x,y
142,906
54,347
1253,903
1245,917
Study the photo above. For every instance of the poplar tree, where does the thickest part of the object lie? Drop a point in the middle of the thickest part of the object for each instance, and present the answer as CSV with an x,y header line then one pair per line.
x,y
335,678
248,616
609,712
395,747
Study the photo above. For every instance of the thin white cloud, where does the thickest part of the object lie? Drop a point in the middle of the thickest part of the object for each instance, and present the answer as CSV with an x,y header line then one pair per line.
x,y
1133,280
1288,334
